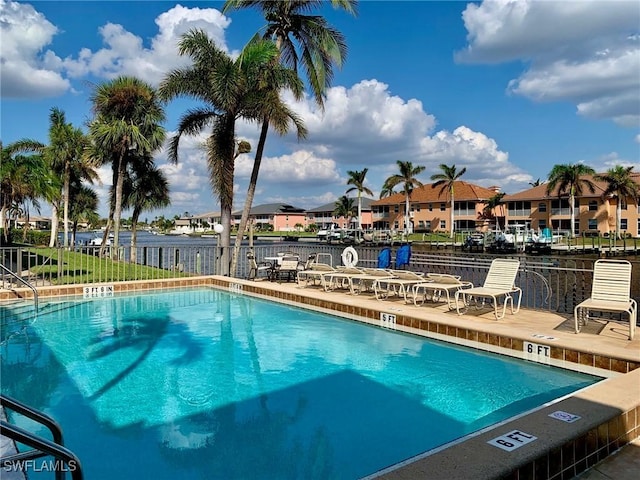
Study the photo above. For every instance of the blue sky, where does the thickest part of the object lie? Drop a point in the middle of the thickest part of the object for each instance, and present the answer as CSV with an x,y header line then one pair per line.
x,y
505,89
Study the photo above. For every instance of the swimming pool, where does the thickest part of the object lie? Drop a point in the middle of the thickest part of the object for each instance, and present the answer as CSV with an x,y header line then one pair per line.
x,y
204,384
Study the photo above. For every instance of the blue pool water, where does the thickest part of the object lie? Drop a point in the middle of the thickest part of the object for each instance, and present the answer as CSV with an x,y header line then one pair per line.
x,y
199,383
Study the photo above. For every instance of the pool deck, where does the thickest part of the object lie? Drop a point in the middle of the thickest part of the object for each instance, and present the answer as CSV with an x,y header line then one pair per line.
x,y
609,412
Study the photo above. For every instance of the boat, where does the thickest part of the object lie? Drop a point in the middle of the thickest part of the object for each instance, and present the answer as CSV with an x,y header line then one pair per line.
x,y
474,241
513,238
541,241
97,242
329,234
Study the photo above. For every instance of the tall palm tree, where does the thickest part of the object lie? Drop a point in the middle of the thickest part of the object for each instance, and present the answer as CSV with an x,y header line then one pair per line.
x,y
300,38
230,89
126,126
65,152
408,179
446,180
356,178
265,104
344,207
621,184
570,179
146,188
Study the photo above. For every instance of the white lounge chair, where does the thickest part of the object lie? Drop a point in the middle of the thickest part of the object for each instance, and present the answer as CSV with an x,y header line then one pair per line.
x,y
400,283
313,275
364,281
440,284
610,292
500,283
341,278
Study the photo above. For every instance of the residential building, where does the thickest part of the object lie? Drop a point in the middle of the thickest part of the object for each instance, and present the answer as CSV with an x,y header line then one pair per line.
x,y
274,216
594,214
323,216
430,210
200,223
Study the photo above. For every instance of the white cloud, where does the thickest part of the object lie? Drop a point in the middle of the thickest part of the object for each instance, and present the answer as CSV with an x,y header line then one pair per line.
x,y
585,52
25,71
30,70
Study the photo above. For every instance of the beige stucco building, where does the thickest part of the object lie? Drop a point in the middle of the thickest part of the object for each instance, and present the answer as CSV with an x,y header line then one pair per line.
x,y
430,211
594,213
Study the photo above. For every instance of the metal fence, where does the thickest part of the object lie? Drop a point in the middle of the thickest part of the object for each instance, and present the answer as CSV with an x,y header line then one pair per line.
x,y
552,283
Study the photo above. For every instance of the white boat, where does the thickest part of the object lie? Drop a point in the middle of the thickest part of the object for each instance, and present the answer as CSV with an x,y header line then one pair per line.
x,y
513,238
329,234
97,242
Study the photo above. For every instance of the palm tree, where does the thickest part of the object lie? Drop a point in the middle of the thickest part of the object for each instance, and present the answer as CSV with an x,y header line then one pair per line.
x,y
302,38
83,207
620,183
356,178
23,179
299,38
446,180
230,90
570,179
265,104
66,156
126,127
386,190
146,188
536,183
344,208
406,178
491,204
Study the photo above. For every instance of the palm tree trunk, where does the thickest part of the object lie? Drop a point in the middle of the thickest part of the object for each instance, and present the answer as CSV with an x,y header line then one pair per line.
x,y
453,202
618,216
117,211
406,213
54,226
133,256
65,205
572,209
251,190
359,210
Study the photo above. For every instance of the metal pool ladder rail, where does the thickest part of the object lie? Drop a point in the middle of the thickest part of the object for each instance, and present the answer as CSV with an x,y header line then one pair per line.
x,y
24,282
41,446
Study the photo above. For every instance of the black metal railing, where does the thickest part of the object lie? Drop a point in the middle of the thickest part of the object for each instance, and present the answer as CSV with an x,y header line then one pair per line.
x,y
41,446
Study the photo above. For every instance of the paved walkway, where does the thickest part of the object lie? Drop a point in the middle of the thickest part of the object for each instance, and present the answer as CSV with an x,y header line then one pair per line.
x,y
624,465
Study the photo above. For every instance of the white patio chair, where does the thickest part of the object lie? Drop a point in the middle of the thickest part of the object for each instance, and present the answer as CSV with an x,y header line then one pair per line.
x,y
610,292
500,283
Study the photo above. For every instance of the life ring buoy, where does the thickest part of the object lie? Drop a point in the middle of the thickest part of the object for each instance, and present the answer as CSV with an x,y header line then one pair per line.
x,y
349,257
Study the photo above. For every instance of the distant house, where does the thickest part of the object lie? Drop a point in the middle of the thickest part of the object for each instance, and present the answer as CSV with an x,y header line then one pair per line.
x,y
276,216
430,211
195,223
35,222
323,215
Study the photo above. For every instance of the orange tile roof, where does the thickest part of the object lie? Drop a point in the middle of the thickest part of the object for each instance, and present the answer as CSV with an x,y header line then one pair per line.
x,y
464,191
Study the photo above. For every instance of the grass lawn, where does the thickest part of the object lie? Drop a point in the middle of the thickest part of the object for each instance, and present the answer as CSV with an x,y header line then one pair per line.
x,y
60,267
